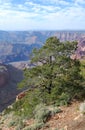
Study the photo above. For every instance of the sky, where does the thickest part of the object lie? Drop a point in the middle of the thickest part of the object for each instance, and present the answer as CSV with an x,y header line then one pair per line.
x,y
42,15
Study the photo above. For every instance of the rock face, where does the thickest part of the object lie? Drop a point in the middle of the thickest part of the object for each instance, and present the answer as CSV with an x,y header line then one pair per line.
x,y
81,48
9,77
80,52
4,75
17,45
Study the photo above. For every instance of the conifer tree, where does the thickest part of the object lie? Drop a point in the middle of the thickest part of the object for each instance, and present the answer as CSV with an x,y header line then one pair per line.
x,y
55,72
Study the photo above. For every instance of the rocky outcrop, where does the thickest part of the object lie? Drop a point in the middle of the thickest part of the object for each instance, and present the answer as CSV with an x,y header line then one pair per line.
x,y
20,96
80,52
81,48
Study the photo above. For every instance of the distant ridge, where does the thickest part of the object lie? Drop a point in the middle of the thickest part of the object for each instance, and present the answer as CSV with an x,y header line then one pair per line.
x,y
18,45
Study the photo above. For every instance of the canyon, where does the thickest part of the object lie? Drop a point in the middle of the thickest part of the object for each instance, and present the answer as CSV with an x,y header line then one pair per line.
x,y
17,45
15,50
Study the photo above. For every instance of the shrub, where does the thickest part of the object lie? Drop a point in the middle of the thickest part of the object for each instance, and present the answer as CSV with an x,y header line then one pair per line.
x,y
54,110
41,113
64,99
27,104
14,120
19,127
12,123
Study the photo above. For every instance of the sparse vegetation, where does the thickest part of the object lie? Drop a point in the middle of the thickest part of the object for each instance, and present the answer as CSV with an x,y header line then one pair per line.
x,y
42,112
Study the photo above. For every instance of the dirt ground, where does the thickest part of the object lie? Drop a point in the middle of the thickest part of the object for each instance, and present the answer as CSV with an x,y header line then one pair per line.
x,y
69,119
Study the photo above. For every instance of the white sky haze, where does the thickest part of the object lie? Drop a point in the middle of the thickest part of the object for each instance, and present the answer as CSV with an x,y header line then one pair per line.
x,y
42,14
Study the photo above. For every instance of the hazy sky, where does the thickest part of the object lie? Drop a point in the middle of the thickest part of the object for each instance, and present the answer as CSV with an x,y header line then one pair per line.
x,y
42,14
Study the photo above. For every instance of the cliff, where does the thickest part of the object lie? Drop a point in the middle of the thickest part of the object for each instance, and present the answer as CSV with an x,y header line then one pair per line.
x,y
9,77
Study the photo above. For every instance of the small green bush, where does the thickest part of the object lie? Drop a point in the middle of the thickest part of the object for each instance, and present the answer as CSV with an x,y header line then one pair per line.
x,y
12,123
41,113
27,104
63,99
54,110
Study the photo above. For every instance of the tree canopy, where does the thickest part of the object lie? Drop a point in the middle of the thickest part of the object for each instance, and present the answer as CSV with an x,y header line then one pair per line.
x,y
54,72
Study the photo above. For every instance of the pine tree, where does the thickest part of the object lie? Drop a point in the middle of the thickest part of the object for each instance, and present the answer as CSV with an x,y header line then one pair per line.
x,y
55,73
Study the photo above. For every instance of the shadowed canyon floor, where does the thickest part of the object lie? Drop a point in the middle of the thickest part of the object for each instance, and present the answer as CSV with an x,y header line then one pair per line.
x,y
8,87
